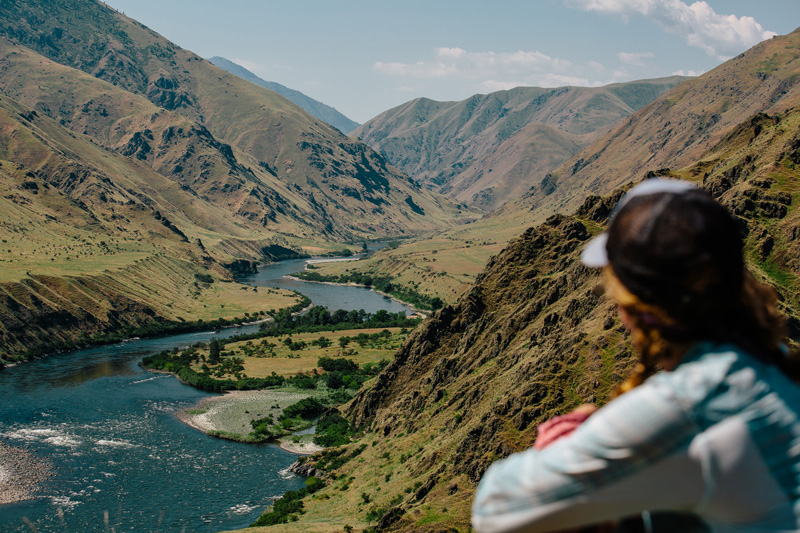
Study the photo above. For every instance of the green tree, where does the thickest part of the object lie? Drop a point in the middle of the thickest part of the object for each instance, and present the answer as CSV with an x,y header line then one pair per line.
x,y
213,351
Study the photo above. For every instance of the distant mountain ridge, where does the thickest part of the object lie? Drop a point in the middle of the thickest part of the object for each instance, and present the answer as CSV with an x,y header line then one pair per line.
x,y
680,127
312,106
489,149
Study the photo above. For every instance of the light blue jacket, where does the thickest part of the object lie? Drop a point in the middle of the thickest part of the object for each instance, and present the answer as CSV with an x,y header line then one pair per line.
x,y
718,436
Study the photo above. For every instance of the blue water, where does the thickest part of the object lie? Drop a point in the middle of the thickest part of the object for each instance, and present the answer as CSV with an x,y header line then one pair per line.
x,y
331,296
109,429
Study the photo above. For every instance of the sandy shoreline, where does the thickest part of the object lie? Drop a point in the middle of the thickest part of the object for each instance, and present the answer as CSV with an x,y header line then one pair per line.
x,y
230,414
21,472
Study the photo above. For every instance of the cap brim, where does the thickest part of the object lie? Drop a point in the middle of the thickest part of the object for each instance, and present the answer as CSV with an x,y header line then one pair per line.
x,y
594,254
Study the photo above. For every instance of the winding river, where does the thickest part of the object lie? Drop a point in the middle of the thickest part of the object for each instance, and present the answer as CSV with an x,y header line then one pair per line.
x,y
122,459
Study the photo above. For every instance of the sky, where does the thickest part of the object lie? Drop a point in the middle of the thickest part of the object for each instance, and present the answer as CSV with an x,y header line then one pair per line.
x,y
364,57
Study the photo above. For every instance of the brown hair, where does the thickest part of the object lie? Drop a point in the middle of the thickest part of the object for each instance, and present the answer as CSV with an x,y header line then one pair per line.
x,y
754,323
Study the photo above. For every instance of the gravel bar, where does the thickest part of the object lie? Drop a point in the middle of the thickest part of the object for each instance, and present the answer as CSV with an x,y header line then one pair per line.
x,y
21,472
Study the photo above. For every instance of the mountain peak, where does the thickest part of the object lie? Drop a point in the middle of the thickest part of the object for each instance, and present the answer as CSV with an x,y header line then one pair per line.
x,y
316,108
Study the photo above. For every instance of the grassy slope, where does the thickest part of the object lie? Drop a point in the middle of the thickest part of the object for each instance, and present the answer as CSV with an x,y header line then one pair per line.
x,y
678,128
82,245
488,149
146,152
208,188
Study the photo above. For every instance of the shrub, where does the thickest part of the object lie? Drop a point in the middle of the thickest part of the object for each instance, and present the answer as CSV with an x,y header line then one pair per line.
x,y
337,364
313,484
205,278
332,430
306,408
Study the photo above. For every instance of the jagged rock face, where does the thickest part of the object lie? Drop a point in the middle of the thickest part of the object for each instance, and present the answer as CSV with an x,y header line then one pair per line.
x,y
242,267
528,341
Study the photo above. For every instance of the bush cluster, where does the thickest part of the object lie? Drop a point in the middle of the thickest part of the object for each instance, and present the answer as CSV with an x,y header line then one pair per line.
x,y
288,506
320,318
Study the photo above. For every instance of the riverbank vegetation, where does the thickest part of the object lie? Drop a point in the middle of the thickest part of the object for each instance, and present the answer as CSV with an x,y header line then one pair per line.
x,y
162,328
287,507
323,356
382,284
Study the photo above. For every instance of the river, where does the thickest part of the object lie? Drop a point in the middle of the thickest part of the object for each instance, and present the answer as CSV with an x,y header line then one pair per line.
x,y
122,459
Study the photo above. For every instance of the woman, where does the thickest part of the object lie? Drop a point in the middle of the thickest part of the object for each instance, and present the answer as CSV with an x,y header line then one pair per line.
x,y
716,433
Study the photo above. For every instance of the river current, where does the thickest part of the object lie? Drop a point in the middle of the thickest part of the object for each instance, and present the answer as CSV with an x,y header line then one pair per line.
x,y
122,459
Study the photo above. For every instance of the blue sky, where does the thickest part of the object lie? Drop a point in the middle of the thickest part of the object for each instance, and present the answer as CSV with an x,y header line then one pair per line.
x,y
366,56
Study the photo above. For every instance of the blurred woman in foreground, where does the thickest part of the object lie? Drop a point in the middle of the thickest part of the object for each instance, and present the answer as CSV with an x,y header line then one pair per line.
x,y
716,434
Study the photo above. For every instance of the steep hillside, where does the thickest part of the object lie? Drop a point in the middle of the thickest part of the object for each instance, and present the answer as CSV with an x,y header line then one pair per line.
x,y
136,176
531,340
181,150
341,188
95,243
313,107
492,148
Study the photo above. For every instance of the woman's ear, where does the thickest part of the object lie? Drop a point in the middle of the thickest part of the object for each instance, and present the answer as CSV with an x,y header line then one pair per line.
x,y
625,317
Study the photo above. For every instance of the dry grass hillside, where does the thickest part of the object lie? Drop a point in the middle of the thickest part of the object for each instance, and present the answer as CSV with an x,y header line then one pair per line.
x,y
93,242
119,149
679,129
489,149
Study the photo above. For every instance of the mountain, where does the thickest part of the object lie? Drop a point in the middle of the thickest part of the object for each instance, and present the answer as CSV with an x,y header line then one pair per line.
x,y
489,149
314,107
680,127
676,130
95,242
273,160
138,178
531,339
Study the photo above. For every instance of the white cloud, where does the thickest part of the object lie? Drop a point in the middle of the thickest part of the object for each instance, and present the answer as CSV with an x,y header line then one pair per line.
x,y
453,53
692,73
487,72
460,63
636,59
720,36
